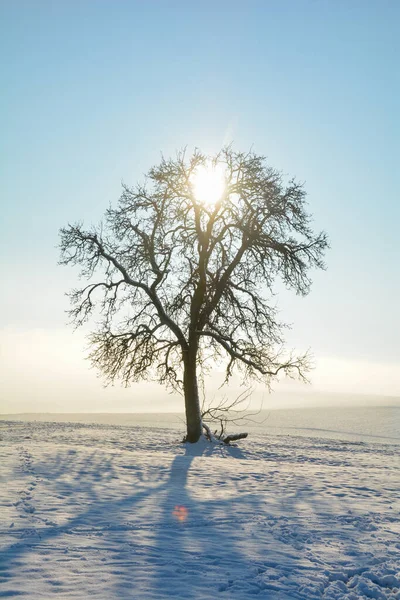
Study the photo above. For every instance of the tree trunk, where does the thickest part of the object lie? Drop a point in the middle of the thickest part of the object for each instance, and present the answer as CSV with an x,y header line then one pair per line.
x,y
192,402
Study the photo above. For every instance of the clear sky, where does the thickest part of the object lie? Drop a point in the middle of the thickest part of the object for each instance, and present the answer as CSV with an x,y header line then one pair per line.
x,y
93,91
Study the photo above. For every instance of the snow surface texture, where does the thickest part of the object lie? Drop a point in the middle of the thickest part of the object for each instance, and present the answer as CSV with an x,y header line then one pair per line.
x,y
120,512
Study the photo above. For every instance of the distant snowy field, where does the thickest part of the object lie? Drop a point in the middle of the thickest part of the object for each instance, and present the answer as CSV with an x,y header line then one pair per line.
x,y
115,512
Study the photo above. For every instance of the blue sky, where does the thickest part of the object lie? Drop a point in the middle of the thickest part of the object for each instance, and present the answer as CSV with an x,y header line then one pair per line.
x,y
94,91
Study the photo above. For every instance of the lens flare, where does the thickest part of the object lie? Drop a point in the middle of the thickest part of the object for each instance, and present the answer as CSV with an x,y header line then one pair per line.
x,y
180,513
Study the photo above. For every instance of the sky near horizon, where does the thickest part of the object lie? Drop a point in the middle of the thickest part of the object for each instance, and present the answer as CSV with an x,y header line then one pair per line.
x,y
93,92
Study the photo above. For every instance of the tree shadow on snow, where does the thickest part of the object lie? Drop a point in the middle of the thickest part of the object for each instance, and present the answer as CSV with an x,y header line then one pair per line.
x,y
156,534
192,534
164,544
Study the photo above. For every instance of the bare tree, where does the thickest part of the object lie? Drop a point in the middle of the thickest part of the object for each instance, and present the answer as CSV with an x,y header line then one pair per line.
x,y
185,269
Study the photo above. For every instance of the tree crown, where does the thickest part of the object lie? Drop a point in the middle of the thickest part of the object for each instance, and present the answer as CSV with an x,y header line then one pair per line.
x,y
180,275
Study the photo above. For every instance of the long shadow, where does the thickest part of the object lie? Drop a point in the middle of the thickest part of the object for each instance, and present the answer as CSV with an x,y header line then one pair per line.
x,y
204,531
180,519
198,529
171,495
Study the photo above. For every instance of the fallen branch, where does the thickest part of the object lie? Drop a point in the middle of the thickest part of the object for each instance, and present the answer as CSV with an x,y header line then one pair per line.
x,y
227,439
235,436
208,432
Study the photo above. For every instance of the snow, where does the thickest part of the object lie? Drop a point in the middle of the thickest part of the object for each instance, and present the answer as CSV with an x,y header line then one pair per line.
x,y
98,511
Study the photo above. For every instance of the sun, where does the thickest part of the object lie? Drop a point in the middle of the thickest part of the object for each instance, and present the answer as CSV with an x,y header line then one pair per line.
x,y
208,183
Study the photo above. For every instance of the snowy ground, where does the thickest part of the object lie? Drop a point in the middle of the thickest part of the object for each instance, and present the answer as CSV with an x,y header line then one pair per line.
x,y
118,512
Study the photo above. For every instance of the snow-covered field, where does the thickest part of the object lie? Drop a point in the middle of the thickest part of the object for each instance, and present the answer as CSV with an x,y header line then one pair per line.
x,y
98,511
